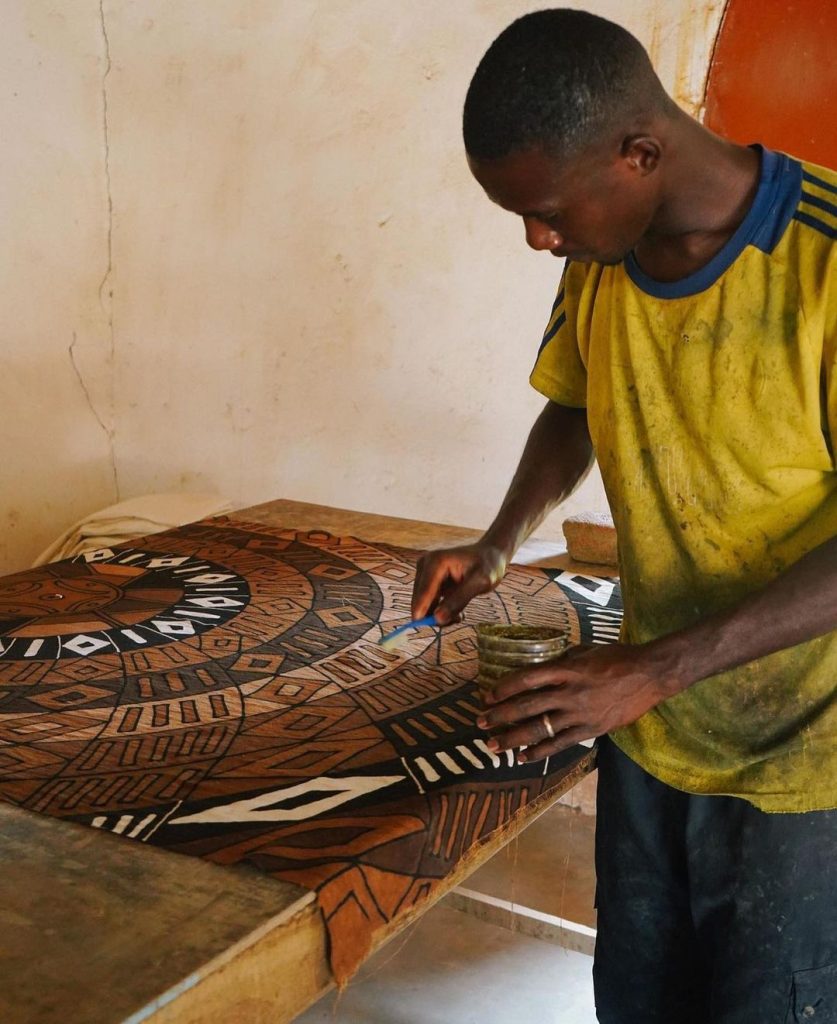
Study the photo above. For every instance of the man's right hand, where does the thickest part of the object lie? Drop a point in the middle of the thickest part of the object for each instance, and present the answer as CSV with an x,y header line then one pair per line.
x,y
557,457
447,580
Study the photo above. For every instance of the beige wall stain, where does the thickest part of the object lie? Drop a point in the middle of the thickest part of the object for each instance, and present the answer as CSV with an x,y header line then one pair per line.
x,y
680,40
263,267
55,386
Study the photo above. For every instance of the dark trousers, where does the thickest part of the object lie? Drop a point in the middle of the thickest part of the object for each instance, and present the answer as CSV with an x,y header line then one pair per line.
x,y
710,911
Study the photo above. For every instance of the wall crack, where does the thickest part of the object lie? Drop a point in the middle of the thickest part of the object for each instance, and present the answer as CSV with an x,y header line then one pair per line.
x,y
105,429
105,287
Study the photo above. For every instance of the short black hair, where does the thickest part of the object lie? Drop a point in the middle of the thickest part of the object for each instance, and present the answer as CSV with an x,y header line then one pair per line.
x,y
558,80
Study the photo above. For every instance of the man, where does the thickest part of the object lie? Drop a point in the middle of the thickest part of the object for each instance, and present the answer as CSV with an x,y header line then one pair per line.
x,y
692,348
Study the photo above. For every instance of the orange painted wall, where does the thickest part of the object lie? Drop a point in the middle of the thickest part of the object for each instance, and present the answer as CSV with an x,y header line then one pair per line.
x,y
773,77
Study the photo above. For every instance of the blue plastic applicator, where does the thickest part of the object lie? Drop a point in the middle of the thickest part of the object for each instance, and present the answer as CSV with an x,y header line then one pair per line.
x,y
389,639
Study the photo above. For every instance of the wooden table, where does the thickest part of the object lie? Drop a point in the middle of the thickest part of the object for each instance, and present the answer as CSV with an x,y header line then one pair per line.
x,y
97,930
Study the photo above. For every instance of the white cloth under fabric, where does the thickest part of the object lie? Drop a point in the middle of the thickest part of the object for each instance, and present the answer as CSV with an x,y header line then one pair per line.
x,y
137,517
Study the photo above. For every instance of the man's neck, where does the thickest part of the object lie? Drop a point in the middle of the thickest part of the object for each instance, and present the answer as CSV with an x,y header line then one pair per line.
x,y
710,185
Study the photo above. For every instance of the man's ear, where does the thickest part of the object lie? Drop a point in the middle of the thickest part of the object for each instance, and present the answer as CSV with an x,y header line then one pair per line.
x,y
642,153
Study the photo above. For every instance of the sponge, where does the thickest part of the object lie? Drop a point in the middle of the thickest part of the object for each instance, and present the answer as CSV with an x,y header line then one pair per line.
x,y
591,537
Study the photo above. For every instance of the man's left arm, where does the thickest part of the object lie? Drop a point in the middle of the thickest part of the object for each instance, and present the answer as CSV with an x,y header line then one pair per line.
x,y
592,691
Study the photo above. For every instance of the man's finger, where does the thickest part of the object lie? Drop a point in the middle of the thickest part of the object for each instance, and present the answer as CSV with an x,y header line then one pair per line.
x,y
528,733
524,680
547,748
430,579
457,597
521,709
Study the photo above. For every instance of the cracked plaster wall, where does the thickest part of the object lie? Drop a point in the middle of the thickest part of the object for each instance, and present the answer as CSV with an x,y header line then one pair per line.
x,y
56,411
247,256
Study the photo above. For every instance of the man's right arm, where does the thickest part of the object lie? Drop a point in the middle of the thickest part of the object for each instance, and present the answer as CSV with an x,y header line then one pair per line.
x,y
557,457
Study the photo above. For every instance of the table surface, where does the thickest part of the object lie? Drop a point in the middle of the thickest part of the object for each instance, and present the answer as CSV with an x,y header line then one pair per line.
x,y
97,930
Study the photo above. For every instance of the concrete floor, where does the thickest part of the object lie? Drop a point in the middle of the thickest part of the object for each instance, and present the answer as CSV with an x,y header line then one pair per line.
x,y
550,867
452,968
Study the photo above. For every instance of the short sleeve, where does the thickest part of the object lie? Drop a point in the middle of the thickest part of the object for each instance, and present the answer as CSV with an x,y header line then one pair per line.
x,y
829,375
559,372
816,264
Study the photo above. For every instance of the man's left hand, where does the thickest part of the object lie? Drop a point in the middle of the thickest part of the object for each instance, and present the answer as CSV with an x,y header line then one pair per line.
x,y
587,692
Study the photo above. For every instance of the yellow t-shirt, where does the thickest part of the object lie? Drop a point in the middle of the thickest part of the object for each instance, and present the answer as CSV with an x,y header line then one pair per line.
x,y
712,404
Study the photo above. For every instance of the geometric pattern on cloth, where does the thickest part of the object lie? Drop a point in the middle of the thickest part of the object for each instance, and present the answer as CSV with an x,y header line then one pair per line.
x,y
220,692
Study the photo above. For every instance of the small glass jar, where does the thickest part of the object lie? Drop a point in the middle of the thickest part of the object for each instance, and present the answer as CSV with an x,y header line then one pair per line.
x,y
505,648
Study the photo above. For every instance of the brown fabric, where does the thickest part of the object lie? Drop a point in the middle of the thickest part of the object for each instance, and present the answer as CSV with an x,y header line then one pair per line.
x,y
218,690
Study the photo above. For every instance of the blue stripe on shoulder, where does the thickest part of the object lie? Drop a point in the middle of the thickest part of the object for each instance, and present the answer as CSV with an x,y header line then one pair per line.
x,y
550,334
780,202
817,225
823,204
819,181
559,298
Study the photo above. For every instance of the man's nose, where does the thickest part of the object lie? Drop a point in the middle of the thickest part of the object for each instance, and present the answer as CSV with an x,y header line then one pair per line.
x,y
541,236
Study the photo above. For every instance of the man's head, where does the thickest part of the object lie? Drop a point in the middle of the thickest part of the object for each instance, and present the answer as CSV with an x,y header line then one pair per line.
x,y
556,126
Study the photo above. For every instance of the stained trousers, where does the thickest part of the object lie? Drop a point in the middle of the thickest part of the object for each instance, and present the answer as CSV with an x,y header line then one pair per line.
x,y
709,910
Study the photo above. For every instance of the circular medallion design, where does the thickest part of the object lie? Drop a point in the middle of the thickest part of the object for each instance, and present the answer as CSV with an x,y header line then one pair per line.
x,y
106,601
